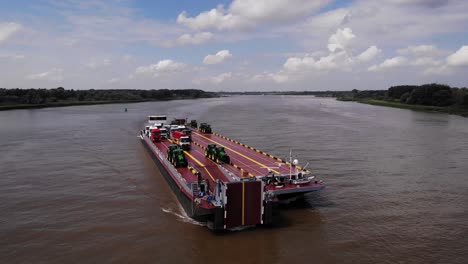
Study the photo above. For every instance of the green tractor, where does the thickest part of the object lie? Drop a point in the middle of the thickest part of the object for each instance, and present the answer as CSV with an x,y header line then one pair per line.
x,y
217,154
178,158
205,128
193,123
170,149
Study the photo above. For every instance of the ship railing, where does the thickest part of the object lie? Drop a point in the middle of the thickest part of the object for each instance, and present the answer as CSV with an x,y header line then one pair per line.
x,y
194,186
162,157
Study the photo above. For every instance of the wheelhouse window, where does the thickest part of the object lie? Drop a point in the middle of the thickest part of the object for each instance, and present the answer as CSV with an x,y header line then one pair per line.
x,y
157,118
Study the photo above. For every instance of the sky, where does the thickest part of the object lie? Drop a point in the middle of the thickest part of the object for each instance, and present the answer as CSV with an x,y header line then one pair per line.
x,y
240,45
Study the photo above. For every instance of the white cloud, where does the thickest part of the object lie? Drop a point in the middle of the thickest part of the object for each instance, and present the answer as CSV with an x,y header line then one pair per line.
x,y
299,64
162,67
217,58
389,64
280,77
299,58
275,10
221,77
422,3
369,54
99,63
421,50
243,14
375,22
215,18
439,70
54,74
340,40
322,24
425,61
217,79
459,58
337,58
197,38
113,80
115,28
7,30
307,63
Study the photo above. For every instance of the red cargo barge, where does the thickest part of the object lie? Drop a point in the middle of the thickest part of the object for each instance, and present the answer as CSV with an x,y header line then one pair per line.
x,y
219,180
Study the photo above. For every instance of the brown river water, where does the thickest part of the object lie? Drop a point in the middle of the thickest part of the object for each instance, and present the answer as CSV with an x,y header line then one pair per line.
x,y
77,185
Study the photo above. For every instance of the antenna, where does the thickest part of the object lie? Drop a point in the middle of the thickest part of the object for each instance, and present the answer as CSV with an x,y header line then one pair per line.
x,y
290,163
295,162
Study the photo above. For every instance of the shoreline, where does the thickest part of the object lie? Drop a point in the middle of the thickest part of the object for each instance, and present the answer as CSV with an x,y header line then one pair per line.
x,y
77,103
425,108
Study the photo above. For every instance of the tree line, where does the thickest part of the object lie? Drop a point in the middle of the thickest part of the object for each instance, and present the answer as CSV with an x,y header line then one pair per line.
x,y
427,94
60,95
315,93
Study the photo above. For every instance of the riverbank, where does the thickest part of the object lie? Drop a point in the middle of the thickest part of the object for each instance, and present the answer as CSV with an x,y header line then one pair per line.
x,y
449,109
75,103
59,97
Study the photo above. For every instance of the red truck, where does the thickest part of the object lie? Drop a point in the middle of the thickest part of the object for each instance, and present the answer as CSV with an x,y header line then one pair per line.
x,y
181,139
155,135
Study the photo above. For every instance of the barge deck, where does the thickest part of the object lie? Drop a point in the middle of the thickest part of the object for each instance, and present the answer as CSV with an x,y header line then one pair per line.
x,y
221,181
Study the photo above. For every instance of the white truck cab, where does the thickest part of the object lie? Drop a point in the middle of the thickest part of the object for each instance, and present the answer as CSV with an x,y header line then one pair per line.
x,y
184,143
163,132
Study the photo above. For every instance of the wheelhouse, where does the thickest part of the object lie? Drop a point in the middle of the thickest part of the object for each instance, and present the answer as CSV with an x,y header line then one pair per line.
x,y
157,119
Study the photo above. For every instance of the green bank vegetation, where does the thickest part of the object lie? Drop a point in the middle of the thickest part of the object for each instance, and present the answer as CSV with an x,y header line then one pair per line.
x,y
427,97
34,98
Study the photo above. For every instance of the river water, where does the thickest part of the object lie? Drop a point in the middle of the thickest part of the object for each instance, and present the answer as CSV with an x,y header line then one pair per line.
x,y
77,186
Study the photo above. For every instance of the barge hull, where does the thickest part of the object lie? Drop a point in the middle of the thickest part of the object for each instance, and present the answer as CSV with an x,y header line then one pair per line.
x,y
190,207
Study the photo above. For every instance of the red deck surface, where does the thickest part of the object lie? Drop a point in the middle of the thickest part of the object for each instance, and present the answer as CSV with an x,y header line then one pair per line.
x,y
196,158
254,162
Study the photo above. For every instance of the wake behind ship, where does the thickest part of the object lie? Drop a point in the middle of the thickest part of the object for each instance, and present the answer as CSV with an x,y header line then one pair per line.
x,y
218,180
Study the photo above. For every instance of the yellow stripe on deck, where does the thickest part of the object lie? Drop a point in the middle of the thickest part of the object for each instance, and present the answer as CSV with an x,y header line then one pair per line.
x,y
259,151
201,164
254,161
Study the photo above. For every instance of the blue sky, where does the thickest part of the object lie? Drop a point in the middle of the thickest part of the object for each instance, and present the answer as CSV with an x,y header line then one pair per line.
x,y
169,10
244,45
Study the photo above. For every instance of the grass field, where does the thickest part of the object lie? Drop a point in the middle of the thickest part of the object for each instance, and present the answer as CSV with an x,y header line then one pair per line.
x,y
449,110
